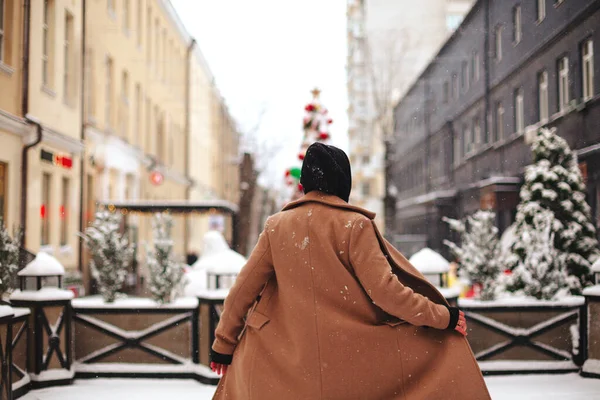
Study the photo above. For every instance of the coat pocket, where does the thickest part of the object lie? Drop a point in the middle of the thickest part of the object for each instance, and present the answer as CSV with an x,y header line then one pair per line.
x,y
257,320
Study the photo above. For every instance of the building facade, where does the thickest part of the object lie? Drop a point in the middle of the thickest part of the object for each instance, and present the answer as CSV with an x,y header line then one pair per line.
x,y
463,129
102,102
389,43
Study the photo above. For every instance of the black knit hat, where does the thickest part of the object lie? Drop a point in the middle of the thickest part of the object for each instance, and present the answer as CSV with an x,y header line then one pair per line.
x,y
326,169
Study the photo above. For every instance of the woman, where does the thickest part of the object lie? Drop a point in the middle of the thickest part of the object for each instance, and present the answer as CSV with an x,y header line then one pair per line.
x,y
335,312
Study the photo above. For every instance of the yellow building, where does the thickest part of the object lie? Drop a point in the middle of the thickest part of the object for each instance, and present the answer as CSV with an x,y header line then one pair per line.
x,y
136,76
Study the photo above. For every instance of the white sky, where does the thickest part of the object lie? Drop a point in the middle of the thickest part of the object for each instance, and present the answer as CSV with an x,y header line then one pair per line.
x,y
272,53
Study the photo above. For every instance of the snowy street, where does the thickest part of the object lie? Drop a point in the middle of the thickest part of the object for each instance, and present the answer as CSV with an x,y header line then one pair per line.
x,y
519,387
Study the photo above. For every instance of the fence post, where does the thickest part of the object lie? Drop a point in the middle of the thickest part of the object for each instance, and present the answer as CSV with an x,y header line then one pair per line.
x,y
591,335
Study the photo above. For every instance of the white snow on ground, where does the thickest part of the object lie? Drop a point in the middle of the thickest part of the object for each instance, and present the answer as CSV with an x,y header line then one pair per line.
x,y
516,387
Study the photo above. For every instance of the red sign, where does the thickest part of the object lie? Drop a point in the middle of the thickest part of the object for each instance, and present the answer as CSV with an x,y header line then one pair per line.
x,y
156,178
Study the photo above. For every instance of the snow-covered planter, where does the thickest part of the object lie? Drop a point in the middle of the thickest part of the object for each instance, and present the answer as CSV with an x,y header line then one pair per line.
x,y
137,337
591,368
525,335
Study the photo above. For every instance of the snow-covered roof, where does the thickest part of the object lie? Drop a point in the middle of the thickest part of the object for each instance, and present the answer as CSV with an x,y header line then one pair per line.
x,y
596,266
217,257
428,261
43,265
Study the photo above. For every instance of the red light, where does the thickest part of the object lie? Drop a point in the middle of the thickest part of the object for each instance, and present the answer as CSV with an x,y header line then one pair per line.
x,y
67,162
62,212
43,211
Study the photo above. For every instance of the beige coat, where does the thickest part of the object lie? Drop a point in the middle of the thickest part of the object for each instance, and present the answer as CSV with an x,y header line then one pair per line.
x,y
341,314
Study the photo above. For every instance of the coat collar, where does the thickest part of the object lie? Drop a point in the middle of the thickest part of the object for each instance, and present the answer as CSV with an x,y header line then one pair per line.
x,y
327,199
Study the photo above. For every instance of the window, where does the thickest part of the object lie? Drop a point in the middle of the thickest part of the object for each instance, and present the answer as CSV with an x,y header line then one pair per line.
x,y
2,13
68,69
446,92
139,26
149,35
160,136
517,31
541,10
587,65
3,189
110,5
64,213
164,55
498,38
476,133
45,207
90,83
464,76
475,67
563,83
157,45
124,109
138,115
519,111
48,45
465,141
126,16
454,86
499,122
108,93
543,95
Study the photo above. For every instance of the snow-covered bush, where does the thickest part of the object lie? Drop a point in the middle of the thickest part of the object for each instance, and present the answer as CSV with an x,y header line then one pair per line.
x,y
479,251
166,273
554,183
9,258
111,253
542,273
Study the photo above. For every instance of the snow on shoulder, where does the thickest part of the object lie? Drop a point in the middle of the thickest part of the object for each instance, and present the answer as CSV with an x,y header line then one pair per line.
x,y
43,265
428,261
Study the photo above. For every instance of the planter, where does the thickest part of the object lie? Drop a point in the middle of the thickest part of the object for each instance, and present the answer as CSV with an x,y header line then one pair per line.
x,y
137,337
591,367
527,336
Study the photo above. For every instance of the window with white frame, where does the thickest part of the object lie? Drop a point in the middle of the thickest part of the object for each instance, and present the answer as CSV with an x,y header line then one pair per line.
x,y
47,43
587,65
124,109
108,92
543,96
90,84
499,121
149,35
2,13
68,68
517,29
519,111
541,10
563,83
498,39
138,115
475,67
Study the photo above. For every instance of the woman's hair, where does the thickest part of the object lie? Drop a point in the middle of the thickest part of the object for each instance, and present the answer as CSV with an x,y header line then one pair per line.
x,y
327,169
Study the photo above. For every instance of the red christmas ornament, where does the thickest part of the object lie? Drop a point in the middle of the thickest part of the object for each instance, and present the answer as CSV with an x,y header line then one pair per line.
x,y
300,187
287,173
330,121
301,156
309,108
323,135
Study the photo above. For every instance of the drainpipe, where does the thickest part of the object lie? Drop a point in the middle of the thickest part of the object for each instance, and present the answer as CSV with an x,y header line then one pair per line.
x,y
188,133
82,136
24,172
24,111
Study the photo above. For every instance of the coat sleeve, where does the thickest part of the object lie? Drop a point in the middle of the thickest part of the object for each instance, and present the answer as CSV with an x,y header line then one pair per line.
x,y
383,287
248,284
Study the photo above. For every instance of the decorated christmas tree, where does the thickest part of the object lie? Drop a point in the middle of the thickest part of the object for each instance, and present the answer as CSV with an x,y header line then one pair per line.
x,y
166,273
111,253
316,129
554,183
542,273
479,252
9,258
